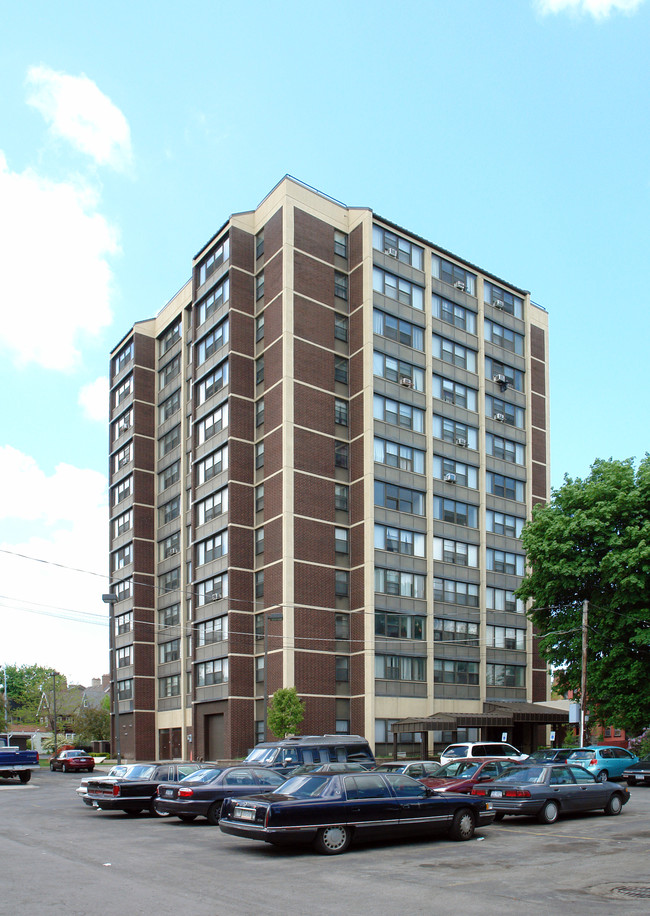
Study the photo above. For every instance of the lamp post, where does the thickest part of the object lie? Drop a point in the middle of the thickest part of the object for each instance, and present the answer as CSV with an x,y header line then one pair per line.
x,y
110,598
267,617
53,675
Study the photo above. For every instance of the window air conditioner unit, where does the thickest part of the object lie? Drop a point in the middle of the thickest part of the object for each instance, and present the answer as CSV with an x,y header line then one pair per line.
x,y
406,381
172,552
459,285
450,478
501,417
500,379
498,303
391,251
460,440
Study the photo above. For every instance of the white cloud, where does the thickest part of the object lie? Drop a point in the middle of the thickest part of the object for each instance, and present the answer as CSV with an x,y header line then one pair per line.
x,y
599,9
79,112
93,399
51,614
55,285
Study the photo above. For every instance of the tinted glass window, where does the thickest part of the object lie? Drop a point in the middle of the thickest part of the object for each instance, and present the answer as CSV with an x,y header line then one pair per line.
x,y
581,775
404,786
366,787
239,778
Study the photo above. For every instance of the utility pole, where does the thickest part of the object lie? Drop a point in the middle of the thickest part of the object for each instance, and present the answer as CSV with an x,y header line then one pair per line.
x,y
53,676
583,679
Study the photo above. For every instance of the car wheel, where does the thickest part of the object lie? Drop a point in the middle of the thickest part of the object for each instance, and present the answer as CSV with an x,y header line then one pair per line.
x,y
64,768
331,841
153,809
214,813
463,824
52,767
615,805
187,817
603,776
25,775
549,813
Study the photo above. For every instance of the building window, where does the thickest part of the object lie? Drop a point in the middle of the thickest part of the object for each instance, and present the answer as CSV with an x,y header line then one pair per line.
x,y
399,626
123,391
340,244
214,261
259,285
170,546
123,657
169,511
504,337
122,523
259,370
500,523
123,424
455,512
341,369
212,672
210,631
122,557
213,423
169,407
341,540
341,454
505,449
398,414
213,341
453,274
259,455
259,540
169,651
259,328
508,487
212,548
504,561
503,599
395,246
259,584
122,590
446,550
340,412
400,540
399,583
398,289
505,638
259,244
454,353
169,338
342,626
451,671
454,393
456,472
125,689
124,623
342,726
397,370
259,669
169,616
400,456
501,299
454,314
259,412
504,374
169,441
342,583
341,496
400,668
122,490
506,413
342,668
169,581
401,499
169,686
169,476
213,589
459,632
452,592
212,506
340,285
123,457
123,358
212,383
259,498
340,327
385,325
505,675
212,465
455,432
215,300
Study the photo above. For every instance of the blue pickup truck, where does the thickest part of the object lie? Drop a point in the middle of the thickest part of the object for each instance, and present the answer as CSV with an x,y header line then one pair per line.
x,y
14,762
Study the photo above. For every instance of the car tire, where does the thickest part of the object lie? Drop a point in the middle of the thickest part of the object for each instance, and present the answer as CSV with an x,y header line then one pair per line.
x,y
25,776
549,813
463,824
614,806
603,776
52,767
332,841
64,768
214,813
186,818
153,809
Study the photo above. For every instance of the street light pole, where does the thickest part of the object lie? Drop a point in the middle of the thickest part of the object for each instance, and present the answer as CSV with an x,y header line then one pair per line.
x,y
110,598
53,676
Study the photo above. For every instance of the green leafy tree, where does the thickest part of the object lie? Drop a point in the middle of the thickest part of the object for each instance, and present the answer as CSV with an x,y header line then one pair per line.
x,y
92,724
24,686
286,711
592,541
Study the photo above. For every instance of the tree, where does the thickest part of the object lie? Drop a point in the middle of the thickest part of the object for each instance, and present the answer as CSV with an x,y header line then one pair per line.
x,y
592,541
92,724
24,687
286,711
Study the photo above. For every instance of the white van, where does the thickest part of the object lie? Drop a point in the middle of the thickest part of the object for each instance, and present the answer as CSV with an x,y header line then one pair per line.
x,y
481,749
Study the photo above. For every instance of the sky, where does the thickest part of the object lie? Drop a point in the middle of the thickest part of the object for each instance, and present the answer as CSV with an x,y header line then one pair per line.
x,y
513,133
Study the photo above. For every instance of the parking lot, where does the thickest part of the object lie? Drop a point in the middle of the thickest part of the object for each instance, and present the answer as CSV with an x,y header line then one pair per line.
x,y
60,856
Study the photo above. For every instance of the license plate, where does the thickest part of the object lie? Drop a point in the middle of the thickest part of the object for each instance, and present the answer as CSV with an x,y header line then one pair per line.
x,y
497,793
245,814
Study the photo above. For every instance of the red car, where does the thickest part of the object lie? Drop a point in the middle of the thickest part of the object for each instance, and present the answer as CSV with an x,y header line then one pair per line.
x,y
72,760
462,775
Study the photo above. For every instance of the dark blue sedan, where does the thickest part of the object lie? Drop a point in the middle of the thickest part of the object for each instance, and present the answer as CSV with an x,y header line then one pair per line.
x,y
330,810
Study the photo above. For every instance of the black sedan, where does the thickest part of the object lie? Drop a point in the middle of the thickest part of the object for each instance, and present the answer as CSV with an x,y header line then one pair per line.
x,y
330,810
203,792
545,790
638,773
136,791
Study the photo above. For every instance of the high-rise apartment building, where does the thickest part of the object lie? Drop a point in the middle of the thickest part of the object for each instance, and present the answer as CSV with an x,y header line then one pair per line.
x,y
322,452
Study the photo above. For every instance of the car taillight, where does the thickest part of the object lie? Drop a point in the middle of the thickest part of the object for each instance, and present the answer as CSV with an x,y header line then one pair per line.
x,y
479,792
593,762
516,793
116,790
267,816
185,793
37,757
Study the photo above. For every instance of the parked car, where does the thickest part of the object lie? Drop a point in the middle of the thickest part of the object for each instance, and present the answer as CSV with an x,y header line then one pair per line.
x,y
638,773
335,767
331,810
604,762
545,790
417,769
551,755
284,755
462,775
70,760
120,769
480,749
136,791
203,792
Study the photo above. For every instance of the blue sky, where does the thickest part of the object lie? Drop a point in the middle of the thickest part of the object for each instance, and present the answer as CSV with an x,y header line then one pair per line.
x,y
513,133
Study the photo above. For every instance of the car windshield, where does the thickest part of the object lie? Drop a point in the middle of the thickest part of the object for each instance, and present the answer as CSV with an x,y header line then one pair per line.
x,y
140,772
542,755
304,786
582,755
206,775
262,755
390,767
75,754
523,774
458,768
